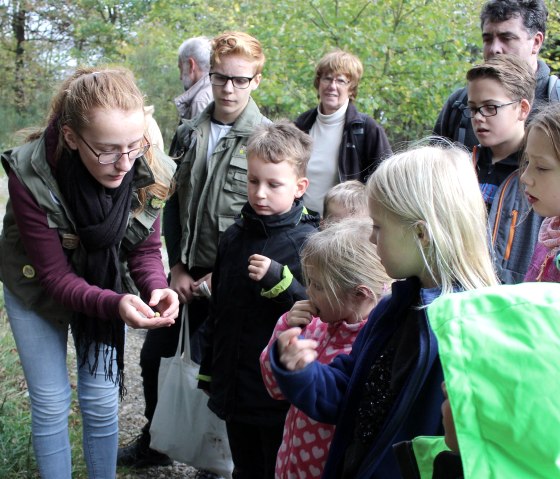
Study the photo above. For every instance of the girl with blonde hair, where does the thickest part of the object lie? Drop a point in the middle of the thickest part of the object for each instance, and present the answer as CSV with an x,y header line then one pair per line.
x,y
344,200
429,225
81,233
345,280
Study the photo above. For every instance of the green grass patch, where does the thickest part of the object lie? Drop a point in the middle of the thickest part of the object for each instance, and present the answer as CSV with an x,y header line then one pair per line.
x,y
15,418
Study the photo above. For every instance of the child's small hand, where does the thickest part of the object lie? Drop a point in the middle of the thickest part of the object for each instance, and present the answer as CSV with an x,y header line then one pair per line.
x,y
258,266
296,353
301,313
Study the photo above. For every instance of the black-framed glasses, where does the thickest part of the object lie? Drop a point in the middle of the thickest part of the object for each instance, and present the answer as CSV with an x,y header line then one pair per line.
x,y
241,83
110,158
327,80
485,110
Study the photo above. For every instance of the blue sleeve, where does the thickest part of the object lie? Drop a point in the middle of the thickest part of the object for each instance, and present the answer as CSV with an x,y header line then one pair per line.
x,y
318,389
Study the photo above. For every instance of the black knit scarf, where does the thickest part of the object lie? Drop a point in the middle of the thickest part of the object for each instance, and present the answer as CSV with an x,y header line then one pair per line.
x,y
101,216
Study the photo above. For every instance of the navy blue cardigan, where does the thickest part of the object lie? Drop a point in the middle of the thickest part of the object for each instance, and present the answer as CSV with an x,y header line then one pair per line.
x,y
331,393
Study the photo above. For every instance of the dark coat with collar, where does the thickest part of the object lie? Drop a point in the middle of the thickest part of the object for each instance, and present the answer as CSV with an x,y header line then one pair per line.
x,y
331,393
364,143
242,320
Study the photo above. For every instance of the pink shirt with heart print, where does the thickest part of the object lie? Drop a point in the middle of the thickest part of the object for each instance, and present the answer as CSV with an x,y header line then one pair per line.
x,y
305,442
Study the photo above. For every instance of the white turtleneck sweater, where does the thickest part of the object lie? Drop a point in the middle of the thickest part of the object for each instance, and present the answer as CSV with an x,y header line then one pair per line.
x,y
322,169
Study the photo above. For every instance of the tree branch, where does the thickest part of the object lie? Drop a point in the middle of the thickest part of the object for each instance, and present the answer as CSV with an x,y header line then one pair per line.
x,y
354,21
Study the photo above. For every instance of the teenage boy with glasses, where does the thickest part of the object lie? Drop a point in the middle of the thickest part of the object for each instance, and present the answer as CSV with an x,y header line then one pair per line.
x,y
212,175
500,93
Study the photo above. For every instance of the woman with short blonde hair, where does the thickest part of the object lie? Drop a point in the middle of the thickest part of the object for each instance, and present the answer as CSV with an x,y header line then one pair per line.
x,y
347,145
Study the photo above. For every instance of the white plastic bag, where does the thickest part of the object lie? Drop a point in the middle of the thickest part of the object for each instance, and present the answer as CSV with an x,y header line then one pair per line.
x,y
183,427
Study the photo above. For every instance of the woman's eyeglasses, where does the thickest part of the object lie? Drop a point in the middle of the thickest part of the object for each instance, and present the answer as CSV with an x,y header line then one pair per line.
x,y
110,158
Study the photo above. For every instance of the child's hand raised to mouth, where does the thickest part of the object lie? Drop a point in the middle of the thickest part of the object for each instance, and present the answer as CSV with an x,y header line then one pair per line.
x,y
301,313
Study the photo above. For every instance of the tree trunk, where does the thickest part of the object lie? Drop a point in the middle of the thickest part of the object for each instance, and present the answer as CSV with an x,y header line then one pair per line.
x,y
18,28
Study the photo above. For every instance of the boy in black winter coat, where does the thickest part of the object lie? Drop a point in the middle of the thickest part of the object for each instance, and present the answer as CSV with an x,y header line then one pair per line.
x,y
257,277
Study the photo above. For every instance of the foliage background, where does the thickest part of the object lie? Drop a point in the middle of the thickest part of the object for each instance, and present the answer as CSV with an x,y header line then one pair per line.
x,y
415,52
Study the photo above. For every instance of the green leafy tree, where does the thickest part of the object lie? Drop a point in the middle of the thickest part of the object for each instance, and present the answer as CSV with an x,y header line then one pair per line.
x,y
415,52
41,40
551,48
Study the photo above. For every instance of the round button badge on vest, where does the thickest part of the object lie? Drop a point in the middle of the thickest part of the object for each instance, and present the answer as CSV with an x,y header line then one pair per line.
x,y
28,271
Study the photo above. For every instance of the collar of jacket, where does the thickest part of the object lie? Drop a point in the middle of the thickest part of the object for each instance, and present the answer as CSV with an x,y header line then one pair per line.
x,y
272,224
407,289
543,71
186,98
485,153
143,175
306,120
242,127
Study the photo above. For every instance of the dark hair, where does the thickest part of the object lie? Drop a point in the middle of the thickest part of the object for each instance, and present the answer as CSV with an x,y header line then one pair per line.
x,y
533,13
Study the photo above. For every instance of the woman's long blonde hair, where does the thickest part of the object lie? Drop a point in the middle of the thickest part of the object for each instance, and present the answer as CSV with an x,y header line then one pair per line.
x,y
436,186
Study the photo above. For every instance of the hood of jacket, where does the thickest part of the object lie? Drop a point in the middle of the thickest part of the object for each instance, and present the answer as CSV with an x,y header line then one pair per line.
x,y
500,352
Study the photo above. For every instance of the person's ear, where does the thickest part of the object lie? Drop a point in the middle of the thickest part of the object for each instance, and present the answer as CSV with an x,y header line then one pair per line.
x,y
525,109
70,137
362,291
301,186
256,81
538,41
422,233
